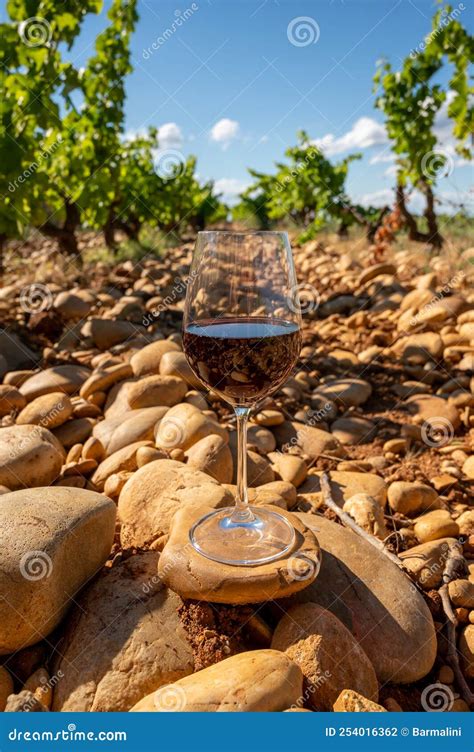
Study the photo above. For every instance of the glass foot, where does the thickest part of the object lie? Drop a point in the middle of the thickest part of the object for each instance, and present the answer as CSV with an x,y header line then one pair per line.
x,y
266,537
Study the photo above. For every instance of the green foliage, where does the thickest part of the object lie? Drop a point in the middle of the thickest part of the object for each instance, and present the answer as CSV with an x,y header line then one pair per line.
x,y
32,78
307,189
410,99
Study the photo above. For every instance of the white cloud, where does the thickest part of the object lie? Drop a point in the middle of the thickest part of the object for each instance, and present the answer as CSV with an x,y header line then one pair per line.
x,y
381,197
224,131
364,133
170,136
382,156
230,188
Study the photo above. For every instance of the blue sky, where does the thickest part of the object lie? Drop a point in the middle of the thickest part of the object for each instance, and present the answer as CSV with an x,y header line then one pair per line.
x,y
229,85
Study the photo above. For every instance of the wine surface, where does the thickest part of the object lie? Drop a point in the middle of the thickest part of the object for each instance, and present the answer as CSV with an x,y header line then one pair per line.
x,y
243,359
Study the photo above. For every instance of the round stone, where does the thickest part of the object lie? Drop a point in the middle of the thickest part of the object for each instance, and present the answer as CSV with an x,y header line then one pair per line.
x,y
192,575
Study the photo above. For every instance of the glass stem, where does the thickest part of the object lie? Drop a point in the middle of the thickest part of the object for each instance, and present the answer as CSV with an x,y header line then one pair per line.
x,y
242,512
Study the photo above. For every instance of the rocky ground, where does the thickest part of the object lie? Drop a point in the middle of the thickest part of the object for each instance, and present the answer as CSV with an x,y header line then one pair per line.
x,y
109,450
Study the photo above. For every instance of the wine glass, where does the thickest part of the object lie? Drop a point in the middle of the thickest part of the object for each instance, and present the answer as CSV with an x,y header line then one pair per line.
x,y
242,337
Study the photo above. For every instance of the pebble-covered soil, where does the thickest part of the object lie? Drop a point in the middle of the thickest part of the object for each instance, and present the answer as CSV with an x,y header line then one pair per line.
x,y
110,449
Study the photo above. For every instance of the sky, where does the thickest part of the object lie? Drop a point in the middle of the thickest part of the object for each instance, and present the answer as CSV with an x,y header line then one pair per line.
x,y
235,80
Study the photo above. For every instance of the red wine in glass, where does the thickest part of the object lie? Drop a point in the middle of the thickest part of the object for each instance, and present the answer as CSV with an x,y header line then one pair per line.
x,y
242,337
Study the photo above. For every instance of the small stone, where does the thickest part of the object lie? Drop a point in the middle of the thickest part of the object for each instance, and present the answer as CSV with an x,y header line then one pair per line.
x,y
184,425
461,593
289,467
375,271
409,498
39,684
50,410
260,439
468,468
24,702
147,360
67,379
175,364
72,305
11,399
465,522
443,482
446,675
124,460
147,454
312,441
103,379
153,391
75,431
435,413
395,446
466,649
434,525
231,686
114,484
29,456
352,702
212,455
194,576
353,430
347,392
269,418
327,653
368,514
427,561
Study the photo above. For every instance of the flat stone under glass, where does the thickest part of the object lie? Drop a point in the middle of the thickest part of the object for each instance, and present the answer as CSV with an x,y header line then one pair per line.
x,y
264,536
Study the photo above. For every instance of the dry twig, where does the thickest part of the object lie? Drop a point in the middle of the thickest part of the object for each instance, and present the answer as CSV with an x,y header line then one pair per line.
x,y
454,568
347,520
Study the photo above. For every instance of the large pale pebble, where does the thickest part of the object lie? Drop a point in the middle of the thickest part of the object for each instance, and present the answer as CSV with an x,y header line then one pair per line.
x,y
175,364
212,456
375,600
409,498
50,410
259,681
154,390
10,399
123,460
155,492
134,619
434,525
329,656
29,456
184,425
147,360
67,379
52,541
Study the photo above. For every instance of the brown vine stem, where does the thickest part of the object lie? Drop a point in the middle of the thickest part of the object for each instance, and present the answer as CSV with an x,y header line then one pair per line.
x,y
454,567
